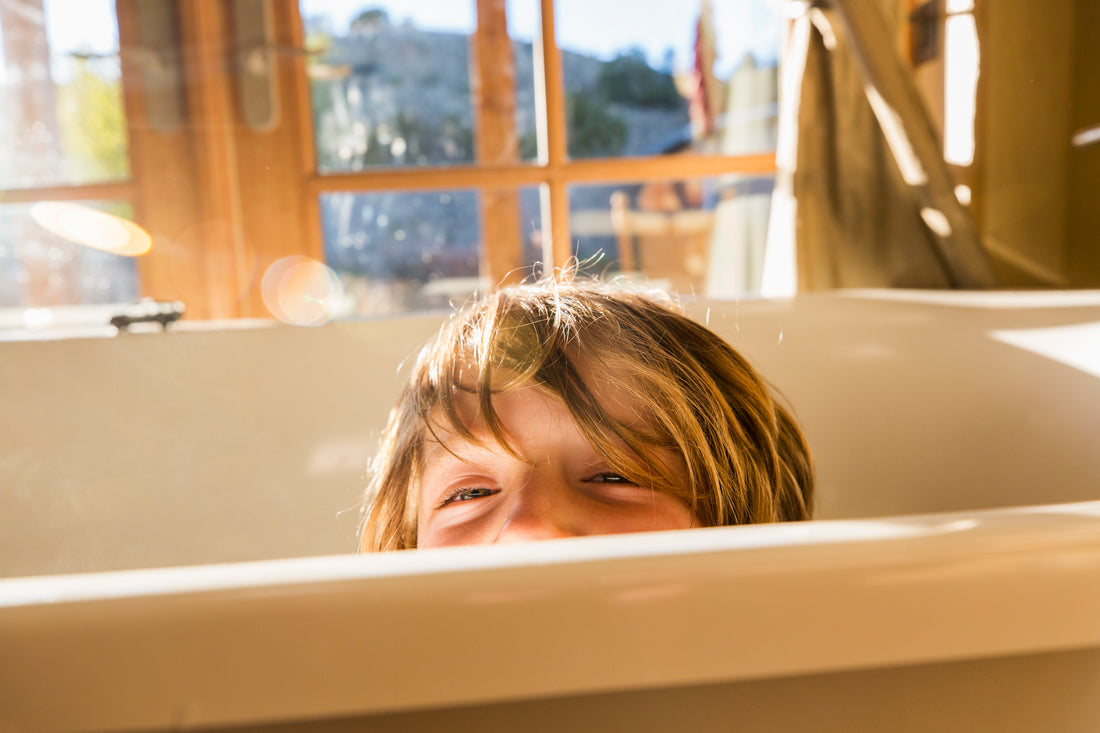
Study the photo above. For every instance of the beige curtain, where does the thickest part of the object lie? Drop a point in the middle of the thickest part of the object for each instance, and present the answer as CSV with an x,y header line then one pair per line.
x,y
857,223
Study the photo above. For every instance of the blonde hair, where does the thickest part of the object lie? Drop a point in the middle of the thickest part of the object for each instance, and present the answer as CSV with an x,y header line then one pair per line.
x,y
745,458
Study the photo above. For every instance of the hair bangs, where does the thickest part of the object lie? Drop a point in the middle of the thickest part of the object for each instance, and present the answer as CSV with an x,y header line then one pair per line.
x,y
667,402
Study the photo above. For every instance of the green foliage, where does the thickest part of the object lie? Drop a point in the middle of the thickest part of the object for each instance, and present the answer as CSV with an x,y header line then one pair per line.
x,y
318,44
93,127
599,115
593,129
629,79
373,18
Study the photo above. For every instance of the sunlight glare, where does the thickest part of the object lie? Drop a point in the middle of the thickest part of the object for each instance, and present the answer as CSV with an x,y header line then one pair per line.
x,y
936,221
1076,346
90,227
301,291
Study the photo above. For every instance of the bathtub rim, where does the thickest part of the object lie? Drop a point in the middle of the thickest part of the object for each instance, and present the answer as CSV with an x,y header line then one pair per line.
x,y
948,575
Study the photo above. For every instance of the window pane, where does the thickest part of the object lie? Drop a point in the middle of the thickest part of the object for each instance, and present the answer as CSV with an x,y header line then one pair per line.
x,y
397,252
530,230
523,28
40,266
60,93
696,237
666,77
391,82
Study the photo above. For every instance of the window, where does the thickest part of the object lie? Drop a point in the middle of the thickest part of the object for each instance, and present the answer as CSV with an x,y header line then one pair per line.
x,y
406,96
324,158
63,138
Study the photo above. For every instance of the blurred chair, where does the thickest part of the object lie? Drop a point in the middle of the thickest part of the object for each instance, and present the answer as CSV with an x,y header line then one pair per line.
x,y
672,246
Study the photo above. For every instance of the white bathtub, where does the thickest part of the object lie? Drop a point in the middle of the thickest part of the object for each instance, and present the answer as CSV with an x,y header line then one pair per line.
x,y
956,585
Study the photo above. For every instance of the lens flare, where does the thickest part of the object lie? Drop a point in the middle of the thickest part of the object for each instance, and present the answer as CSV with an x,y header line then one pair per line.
x,y
91,228
301,291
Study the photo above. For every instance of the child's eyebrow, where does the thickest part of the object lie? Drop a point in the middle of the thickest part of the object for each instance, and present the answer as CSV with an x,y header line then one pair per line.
x,y
457,447
434,448
463,450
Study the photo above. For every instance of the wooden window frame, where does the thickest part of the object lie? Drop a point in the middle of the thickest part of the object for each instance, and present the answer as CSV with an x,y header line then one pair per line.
x,y
554,171
215,236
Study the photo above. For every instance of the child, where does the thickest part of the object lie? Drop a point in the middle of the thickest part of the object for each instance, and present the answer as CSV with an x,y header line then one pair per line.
x,y
568,407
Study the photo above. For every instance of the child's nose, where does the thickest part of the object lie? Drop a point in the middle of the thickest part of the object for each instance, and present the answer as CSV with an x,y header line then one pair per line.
x,y
543,510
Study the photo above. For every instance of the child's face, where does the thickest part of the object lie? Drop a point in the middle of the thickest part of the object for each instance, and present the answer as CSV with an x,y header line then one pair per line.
x,y
559,486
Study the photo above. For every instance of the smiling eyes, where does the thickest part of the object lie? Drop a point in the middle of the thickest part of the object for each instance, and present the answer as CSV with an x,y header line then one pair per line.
x,y
466,495
482,492
608,478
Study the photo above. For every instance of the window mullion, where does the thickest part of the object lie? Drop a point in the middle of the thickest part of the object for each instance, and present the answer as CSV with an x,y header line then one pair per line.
x,y
165,186
494,96
205,31
81,192
594,170
550,93
278,216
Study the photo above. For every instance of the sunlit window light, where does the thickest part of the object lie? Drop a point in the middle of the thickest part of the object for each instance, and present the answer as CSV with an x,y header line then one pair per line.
x,y
960,6
961,66
780,276
893,129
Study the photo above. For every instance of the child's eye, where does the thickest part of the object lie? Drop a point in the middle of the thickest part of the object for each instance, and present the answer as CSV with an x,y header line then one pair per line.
x,y
608,478
466,495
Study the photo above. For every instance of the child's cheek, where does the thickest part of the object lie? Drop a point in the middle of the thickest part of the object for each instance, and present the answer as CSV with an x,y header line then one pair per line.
x,y
458,525
662,513
437,535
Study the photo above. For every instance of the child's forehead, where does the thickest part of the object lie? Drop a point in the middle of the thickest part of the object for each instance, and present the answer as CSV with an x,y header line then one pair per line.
x,y
518,404
522,414
445,444
608,382
620,400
